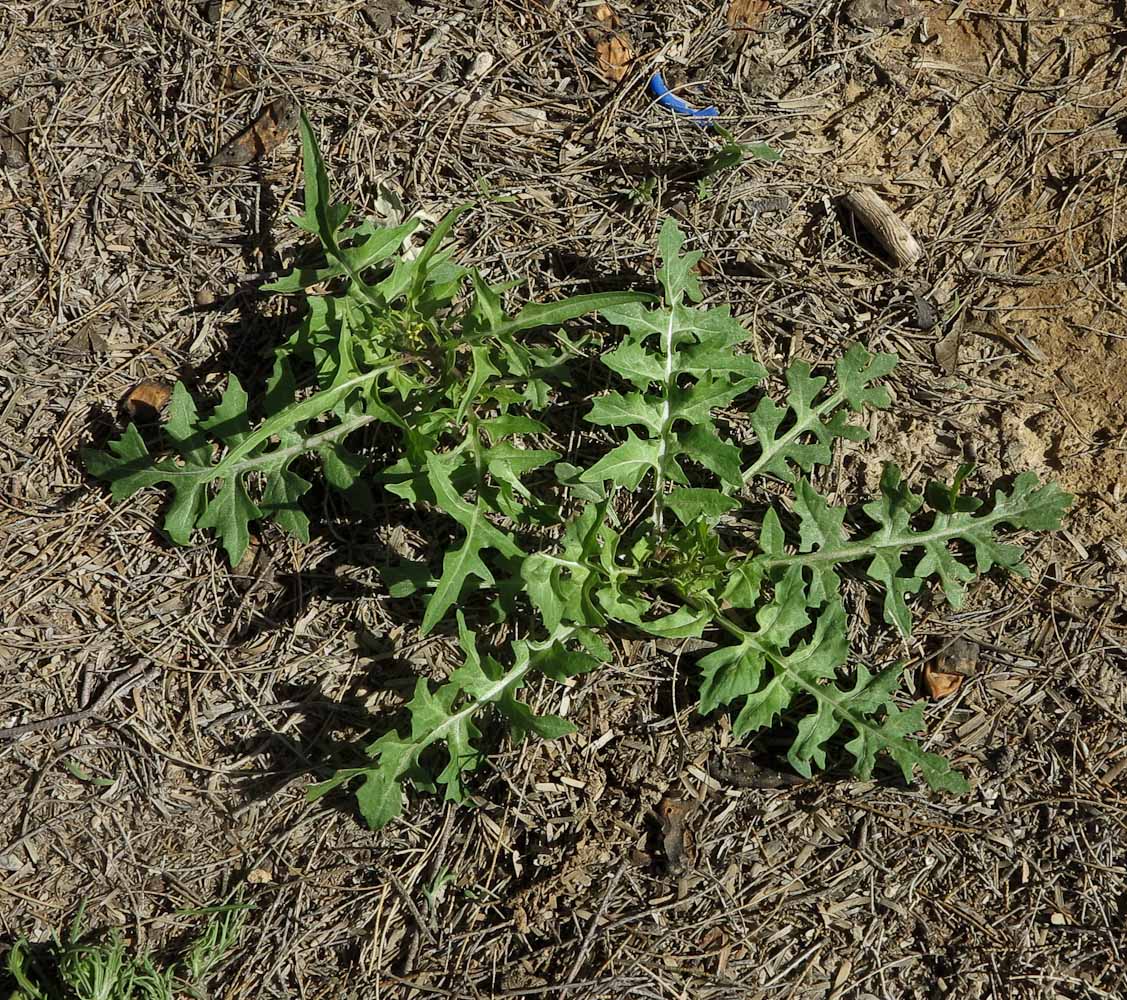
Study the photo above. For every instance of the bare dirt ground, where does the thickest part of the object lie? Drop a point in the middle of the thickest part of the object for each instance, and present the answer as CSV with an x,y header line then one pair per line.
x,y
997,128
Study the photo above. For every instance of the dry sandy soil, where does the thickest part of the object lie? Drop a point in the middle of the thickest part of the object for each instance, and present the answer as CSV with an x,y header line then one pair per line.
x,y
997,128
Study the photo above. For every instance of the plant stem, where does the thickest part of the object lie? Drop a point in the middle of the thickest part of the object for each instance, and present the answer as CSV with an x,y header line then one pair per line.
x,y
866,547
666,429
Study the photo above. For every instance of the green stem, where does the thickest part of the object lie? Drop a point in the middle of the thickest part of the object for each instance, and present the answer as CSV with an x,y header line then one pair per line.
x,y
296,413
867,547
236,461
517,671
475,445
665,431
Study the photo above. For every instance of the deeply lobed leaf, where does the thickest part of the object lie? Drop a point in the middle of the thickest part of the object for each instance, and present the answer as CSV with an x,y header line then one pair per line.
x,y
683,362
447,716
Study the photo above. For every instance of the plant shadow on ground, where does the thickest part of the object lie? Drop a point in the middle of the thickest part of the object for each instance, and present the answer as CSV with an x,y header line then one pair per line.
x,y
312,746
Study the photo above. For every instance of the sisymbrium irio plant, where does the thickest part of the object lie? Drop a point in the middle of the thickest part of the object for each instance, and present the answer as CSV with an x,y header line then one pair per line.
x,y
423,346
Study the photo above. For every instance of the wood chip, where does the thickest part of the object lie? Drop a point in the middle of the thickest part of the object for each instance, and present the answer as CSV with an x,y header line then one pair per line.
x,y
745,14
276,121
145,401
234,78
613,55
606,16
946,352
613,51
876,216
76,236
672,813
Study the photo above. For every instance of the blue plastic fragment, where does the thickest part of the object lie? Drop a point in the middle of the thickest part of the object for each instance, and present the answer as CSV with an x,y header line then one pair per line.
x,y
667,99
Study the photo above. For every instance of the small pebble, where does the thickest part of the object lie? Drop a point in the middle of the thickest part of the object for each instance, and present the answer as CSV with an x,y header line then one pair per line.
x,y
481,65
205,297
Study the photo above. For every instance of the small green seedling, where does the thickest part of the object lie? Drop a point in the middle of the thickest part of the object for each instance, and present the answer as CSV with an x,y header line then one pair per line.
x,y
424,348
643,193
80,966
730,155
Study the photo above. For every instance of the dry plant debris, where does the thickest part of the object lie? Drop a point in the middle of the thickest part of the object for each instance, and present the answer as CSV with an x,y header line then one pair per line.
x,y
946,350
146,401
13,138
235,78
614,56
613,51
672,814
944,675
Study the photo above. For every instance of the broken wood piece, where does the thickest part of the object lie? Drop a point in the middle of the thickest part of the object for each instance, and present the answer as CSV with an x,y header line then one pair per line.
x,y
744,15
614,55
262,135
877,217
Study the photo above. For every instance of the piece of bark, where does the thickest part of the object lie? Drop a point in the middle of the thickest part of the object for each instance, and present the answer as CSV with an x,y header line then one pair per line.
x,y
606,16
277,119
877,217
13,138
614,55
672,814
745,14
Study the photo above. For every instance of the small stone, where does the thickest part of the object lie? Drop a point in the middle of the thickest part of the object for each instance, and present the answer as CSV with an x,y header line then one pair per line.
x,y
482,64
878,13
205,297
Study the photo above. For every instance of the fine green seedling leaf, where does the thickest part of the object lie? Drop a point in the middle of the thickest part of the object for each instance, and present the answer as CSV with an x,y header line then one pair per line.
x,y
101,966
730,155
